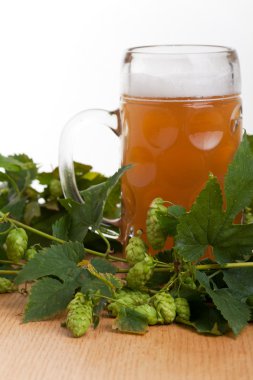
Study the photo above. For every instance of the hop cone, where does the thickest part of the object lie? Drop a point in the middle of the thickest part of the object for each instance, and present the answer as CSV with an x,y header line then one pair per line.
x,y
129,298
183,308
55,188
30,253
165,307
156,237
79,316
140,273
135,250
149,312
6,286
187,281
16,244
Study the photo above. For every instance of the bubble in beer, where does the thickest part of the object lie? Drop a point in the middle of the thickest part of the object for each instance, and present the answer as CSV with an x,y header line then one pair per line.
x,y
205,127
144,170
160,127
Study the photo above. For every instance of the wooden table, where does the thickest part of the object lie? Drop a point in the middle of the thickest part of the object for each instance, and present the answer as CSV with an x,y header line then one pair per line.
x,y
45,350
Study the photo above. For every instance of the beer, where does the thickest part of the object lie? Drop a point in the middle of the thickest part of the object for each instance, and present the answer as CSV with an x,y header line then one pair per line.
x,y
174,144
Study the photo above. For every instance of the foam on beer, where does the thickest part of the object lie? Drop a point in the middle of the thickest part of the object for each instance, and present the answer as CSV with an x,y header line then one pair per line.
x,y
180,78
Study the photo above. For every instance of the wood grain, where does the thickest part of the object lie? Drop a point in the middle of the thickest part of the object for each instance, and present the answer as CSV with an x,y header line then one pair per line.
x,y
44,350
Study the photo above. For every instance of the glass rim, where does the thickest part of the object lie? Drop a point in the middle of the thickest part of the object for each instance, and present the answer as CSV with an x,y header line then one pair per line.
x,y
180,49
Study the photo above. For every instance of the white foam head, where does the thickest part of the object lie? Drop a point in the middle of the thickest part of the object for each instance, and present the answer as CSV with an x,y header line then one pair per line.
x,y
181,71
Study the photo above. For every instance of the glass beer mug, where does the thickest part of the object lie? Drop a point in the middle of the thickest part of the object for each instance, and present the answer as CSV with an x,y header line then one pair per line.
x,y
179,120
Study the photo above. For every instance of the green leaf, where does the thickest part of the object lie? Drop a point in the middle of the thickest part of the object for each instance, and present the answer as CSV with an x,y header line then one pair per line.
x,y
200,226
209,321
48,297
57,260
130,321
10,181
103,266
112,205
90,213
239,180
27,174
240,280
15,207
95,197
61,228
169,222
234,242
232,309
78,223
91,284
89,179
11,163
80,170
32,210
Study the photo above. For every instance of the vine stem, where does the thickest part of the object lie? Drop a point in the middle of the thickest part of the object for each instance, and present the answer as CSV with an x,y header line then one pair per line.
x,y
125,270
108,246
9,272
224,266
60,241
10,262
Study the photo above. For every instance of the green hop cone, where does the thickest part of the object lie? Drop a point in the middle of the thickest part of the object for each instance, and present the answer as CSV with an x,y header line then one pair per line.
x,y
165,307
182,308
6,286
16,244
79,317
187,281
136,296
30,253
140,273
156,236
55,188
127,298
135,250
149,312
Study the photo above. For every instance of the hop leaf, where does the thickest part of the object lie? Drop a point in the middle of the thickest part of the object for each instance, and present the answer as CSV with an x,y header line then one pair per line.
x,y
155,234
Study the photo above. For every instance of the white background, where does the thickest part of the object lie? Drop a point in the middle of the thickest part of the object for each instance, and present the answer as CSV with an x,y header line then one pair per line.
x,y
59,57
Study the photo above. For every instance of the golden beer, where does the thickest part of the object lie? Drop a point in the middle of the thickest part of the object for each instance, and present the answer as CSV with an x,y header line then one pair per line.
x,y
174,144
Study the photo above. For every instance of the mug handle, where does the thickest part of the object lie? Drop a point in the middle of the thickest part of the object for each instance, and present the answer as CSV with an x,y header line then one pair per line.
x,y
84,119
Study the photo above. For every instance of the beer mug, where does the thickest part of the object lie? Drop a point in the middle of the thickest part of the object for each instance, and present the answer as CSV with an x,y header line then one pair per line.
x,y
179,119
